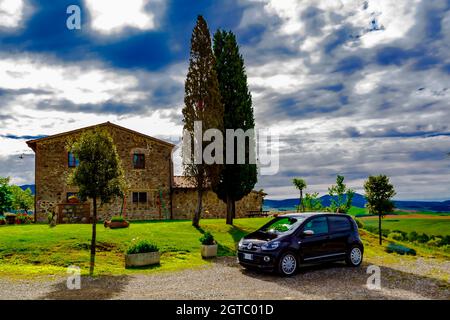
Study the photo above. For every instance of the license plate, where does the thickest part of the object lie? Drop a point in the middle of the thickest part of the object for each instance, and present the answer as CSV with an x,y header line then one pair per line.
x,y
248,256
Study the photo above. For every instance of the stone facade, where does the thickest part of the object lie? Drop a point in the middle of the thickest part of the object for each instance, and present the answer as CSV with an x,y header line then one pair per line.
x,y
52,170
167,198
185,202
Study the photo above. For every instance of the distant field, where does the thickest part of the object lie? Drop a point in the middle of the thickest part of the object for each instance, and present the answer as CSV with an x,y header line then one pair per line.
x,y
429,225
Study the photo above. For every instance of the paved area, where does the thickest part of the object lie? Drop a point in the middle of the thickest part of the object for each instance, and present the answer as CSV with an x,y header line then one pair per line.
x,y
225,279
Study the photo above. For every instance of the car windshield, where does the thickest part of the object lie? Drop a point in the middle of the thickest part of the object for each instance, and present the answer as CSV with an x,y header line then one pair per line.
x,y
282,225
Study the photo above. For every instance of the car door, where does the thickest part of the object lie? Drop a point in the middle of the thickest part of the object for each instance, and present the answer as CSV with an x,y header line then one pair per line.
x,y
313,247
339,230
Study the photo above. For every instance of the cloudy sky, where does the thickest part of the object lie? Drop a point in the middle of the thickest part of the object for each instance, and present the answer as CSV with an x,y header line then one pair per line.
x,y
352,87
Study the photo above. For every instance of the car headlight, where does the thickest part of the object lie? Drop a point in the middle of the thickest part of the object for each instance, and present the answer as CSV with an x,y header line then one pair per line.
x,y
241,243
270,245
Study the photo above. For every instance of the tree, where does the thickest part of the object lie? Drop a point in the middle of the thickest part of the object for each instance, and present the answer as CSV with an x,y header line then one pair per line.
x,y
341,196
300,184
311,202
22,199
6,197
99,174
202,102
236,180
378,193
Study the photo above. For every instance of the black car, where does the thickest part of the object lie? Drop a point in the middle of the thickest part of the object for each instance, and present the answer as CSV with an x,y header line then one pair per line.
x,y
291,240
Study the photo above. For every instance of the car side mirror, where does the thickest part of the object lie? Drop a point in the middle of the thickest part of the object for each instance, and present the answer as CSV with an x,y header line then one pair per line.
x,y
308,233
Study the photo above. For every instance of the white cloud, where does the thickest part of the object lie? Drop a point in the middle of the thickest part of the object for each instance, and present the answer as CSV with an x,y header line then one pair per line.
x,y
112,16
11,13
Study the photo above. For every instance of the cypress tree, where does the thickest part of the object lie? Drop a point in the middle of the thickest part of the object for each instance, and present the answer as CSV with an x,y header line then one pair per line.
x,y
236,180
202,102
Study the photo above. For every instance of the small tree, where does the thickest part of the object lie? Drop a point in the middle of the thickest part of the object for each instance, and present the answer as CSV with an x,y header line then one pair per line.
x,y
300,184
379,192
99,174
6,197
341,197
22,199
312,203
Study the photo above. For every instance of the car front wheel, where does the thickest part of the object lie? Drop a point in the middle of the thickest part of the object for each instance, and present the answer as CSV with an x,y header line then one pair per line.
x,y
287,265
354,256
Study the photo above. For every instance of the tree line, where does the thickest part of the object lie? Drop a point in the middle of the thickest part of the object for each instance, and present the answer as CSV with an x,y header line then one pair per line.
x,y
13,198
378,192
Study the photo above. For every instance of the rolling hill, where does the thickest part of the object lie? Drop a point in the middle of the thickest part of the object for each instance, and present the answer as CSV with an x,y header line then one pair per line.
x,y
359,201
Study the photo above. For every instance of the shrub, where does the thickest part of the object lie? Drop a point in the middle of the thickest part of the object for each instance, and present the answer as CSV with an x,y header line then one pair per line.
x,y
23,218
436,242
397,248
423,238
2,221
142,246
359,223
118,219
207,239
395,236
446,240
412,236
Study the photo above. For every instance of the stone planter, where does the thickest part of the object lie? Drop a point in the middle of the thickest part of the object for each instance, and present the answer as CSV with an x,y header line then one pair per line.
x,y
209,251
118,224
142,259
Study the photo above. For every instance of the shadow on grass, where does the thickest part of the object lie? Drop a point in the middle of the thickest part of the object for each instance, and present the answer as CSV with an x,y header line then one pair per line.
x,y
98,288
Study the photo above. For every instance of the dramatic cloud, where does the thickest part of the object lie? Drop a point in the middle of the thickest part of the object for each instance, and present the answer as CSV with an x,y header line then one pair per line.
x,y
352,87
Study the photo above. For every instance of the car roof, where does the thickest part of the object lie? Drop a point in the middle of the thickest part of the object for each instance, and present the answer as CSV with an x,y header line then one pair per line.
x,y
311,214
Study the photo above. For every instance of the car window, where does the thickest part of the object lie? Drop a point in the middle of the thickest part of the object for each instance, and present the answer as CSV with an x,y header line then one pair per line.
x,y
339,224
282,225
319,225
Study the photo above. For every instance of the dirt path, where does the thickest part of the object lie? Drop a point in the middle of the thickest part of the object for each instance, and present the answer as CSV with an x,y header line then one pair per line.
x,y
227,280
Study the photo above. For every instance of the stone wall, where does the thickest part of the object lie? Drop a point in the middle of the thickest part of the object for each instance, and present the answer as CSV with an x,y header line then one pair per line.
x,y
52,171
184,202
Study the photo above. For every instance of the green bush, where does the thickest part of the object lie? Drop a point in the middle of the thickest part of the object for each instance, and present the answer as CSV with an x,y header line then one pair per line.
x,y
396,236
435,242
423,238
412,236
117,219
142,246
397,248
207,239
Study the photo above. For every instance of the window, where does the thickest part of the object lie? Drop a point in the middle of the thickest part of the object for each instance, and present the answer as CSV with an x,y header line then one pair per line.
x,y
139,197
339,224
282,225
73,162
139,161
318,225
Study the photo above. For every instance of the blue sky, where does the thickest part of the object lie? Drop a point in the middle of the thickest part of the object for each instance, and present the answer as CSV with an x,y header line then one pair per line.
x,y
352,87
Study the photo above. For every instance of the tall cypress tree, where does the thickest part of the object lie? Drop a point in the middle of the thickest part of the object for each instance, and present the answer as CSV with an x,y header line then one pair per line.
x,y
236,180
202,102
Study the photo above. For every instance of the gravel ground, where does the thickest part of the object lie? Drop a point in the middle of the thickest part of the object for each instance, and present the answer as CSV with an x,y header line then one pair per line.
x,y
225,279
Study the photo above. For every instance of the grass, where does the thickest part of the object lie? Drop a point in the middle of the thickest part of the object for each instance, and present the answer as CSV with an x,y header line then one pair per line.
x,y
430,226
39,249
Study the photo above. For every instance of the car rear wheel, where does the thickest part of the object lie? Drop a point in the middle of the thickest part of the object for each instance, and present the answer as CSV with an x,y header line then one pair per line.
x,y
354,256
288,264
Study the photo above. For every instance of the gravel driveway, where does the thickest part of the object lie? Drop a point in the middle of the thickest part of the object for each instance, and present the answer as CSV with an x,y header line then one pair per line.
x,y
225,279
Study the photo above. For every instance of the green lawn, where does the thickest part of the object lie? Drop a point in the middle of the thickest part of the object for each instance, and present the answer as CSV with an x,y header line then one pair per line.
x,y
39,249
430,226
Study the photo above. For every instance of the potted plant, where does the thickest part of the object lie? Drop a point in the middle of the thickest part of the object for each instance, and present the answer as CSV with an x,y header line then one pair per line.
x,y
10,218
209,245
73,199
117,222
142,253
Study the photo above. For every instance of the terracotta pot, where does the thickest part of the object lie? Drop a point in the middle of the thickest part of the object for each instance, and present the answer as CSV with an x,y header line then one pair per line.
x,y
142,259
209,251
118,224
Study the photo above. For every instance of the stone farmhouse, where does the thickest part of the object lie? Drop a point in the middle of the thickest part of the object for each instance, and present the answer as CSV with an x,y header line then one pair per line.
x,y
154,192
